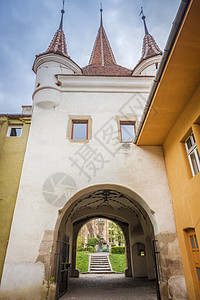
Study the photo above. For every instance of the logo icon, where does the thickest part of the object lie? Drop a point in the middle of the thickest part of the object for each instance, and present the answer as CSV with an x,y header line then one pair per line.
x,y
58,189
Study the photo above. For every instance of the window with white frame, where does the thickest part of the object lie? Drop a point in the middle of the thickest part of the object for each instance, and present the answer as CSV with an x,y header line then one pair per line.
x,y
193,154
14,131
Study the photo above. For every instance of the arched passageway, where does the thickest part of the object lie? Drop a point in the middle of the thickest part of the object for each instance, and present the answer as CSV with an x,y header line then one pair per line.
x,y
116,203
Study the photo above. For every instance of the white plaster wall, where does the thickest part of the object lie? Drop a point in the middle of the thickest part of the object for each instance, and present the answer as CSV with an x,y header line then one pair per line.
x,y
151,70
49,151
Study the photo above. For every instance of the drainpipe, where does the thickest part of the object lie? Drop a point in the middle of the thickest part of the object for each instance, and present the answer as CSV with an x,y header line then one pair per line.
x,y
169,45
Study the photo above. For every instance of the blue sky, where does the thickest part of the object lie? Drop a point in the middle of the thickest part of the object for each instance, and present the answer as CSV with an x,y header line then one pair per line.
x,y
27,27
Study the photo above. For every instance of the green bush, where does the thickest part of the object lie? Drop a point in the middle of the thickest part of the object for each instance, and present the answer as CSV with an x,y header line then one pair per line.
x,y
90,249
92,242
118,250
81,249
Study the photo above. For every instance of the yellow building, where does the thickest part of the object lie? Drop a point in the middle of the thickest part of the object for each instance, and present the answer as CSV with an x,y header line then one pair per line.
x,y
14,130
173,121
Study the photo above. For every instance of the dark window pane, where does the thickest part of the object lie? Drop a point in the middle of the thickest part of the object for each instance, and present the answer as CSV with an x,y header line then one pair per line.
x,y
193,139
189,143
127,132
15,131
198,273
79,131
196,241
192,242
194,163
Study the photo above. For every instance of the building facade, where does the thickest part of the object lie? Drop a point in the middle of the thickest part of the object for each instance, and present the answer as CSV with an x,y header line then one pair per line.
x,y
81,163
14,130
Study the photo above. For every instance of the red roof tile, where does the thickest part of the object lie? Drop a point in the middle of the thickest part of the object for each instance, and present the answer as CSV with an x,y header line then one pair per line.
x,y
58,44
150,48
102,60
108,70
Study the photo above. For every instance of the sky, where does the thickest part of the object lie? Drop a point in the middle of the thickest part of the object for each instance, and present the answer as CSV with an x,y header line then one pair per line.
x,y
27,28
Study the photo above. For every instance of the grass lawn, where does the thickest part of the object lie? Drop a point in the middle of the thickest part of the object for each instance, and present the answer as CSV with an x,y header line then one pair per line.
x,y
118,262
82,261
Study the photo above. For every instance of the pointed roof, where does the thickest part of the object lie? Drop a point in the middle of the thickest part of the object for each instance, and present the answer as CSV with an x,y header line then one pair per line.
x,y
102,60
150,48
102,53
58,44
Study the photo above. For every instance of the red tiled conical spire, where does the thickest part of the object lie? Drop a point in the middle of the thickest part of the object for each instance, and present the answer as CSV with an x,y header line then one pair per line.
x,y
102,54
58,43
102,60
150,48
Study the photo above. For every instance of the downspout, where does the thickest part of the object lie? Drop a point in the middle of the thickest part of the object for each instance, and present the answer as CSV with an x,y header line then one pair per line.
x,y
170,42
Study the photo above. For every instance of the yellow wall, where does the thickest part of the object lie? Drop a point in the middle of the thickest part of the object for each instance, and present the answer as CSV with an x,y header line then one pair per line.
x,y
12,150
185,189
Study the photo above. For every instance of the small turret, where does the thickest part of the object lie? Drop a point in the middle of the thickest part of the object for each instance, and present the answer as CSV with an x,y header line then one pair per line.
x,y
151,53
55,60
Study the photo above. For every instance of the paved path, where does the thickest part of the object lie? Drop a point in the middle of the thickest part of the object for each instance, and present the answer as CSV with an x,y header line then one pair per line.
x,y
109,287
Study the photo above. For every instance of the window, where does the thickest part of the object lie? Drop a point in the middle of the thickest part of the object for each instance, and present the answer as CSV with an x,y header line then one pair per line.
x,y
127,131
194,248
141,253
193,154
14,131
79,130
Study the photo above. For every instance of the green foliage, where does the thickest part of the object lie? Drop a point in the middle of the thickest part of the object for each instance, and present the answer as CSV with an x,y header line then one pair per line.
x,y
79,241
82,261
118,262
52,279
118,250
81,249
90,249
49,280
92,242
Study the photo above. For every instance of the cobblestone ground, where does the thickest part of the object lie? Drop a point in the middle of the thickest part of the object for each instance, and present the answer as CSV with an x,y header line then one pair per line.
x,y
109,287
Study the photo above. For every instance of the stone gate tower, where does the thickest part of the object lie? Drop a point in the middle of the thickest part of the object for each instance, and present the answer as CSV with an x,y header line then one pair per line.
x,y
81,162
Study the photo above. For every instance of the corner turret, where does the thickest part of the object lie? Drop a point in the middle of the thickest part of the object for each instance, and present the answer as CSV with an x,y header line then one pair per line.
x,y
151,54
55,60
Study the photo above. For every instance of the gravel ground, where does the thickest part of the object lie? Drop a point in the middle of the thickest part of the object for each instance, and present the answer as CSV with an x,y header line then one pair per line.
x,y
109,287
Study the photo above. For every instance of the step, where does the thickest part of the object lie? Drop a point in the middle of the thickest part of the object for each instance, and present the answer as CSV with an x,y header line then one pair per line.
x,y
94,260
101,272
99,259
99,262
100,265
104,268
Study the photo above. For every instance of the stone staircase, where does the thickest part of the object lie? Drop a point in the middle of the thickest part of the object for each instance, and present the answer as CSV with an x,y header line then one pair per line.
x,y
100,264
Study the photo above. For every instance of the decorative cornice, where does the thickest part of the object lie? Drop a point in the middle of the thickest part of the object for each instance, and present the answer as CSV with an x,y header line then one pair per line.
x,y
66,61
104,84
142,65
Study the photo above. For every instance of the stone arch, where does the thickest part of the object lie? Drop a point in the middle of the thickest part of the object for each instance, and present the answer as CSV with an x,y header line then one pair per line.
x,y
120,188
115,202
